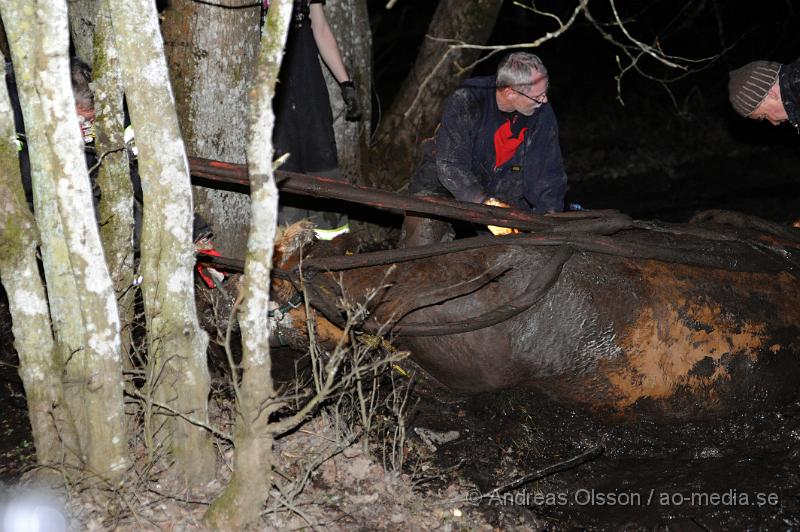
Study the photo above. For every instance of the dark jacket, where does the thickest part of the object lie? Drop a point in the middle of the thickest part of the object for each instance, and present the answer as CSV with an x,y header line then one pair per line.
x,y
466,151
789,79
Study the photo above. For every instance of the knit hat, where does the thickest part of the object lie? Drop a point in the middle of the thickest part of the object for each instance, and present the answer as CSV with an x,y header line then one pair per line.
x,y
748,86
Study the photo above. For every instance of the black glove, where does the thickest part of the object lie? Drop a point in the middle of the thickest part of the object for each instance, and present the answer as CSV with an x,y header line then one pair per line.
x,y
353,111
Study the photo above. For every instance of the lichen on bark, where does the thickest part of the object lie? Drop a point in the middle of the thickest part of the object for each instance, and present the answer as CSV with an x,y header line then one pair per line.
x,y
210,51
54,434
79,286
241,502
176,344
114,178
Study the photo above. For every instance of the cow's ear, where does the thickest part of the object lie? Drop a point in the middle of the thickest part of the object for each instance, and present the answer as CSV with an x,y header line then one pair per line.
x,y
290,242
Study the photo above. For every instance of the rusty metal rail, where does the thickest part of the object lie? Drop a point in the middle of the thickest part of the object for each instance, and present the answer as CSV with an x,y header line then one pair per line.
x,y
234,177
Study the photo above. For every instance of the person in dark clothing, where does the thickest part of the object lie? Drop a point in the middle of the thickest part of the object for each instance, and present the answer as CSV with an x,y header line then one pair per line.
x,y
766,90
497,144
303,117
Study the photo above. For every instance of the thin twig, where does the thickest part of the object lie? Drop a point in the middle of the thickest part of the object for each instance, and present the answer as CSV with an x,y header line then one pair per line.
x,y
454,45
229,353
103,156
582,458
183,416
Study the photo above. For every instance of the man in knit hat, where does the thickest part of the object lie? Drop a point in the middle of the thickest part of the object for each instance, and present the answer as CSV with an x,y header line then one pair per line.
x,y
765,90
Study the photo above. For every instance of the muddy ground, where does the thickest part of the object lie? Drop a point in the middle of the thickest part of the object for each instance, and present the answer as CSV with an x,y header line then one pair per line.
x,y
735,473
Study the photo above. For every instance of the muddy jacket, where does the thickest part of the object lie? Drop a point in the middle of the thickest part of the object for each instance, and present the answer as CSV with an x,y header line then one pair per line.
x,y
483,152
789,79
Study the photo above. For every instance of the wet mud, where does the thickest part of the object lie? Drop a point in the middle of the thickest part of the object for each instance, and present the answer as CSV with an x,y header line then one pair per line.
x,y
724,473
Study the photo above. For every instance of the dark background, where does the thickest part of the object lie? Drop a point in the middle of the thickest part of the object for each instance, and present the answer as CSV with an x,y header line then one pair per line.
x,y
667,152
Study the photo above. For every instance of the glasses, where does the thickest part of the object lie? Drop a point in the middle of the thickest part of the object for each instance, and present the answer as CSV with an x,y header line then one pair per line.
x,y
541,98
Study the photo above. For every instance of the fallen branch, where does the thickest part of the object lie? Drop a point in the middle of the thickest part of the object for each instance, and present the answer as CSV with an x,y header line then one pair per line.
x,y
582,458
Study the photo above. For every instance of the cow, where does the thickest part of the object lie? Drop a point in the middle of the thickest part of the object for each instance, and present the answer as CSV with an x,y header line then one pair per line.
x,y
676,320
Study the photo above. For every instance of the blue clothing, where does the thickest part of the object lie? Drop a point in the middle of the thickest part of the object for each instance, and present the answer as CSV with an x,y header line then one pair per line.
x,y
480,152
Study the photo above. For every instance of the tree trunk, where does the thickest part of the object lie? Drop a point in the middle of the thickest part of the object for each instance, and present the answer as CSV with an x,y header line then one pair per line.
x,y
113,178
51,110
210,51
241,502
417,109
82,16
177,345
62,293
349,22
54,433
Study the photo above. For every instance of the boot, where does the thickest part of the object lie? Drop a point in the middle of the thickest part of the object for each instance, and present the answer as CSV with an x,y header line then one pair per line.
x,y
420,231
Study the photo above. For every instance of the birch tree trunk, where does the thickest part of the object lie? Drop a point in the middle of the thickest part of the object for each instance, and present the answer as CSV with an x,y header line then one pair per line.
x,y
417,109
54,433
241,502
82,16
62,292
210,50
62,177
177,345
349,22
114,179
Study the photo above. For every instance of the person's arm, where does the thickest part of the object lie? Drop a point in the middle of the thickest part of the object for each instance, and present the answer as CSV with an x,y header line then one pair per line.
x,y
454,145
545,180
329,50
326,43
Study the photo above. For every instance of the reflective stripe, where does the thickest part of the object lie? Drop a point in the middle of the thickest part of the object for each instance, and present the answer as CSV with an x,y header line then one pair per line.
x,y
330,234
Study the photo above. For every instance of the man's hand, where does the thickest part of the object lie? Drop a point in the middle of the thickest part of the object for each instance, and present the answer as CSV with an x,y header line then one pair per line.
x,y
353,107
494,229
494,202
502,231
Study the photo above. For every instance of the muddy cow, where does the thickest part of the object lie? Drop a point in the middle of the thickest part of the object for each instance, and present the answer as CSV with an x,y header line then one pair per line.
x,y
677,320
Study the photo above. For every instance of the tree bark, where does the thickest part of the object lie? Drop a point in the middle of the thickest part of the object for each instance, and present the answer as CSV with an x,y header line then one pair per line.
x,y
241,502
210,50
408,121
62,293
51,110
177,345
82,16
349,22
113,178
40,366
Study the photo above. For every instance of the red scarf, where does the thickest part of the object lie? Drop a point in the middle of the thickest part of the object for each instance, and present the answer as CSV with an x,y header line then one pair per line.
x,y
507,139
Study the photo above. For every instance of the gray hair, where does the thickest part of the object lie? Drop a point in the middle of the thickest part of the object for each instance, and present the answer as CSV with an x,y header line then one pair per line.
x,y
518,69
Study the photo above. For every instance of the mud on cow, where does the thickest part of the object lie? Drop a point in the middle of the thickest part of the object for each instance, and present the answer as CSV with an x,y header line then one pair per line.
x,y
669,319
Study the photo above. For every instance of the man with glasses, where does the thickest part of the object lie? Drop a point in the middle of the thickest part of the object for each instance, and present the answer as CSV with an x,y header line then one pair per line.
x,y
497,144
